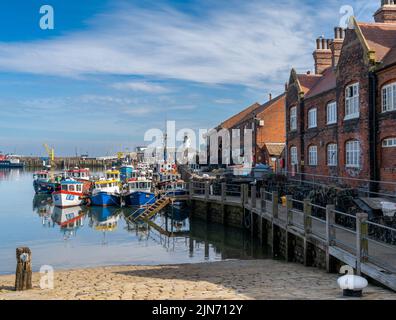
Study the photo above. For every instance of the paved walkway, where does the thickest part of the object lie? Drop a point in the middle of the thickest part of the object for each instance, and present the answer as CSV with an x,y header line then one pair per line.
x,y
255,279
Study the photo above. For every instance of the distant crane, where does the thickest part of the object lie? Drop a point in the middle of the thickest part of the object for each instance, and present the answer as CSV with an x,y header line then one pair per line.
x,y
51,158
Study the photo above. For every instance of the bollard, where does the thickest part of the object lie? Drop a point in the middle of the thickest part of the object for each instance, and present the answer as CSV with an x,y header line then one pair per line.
x,y
23,275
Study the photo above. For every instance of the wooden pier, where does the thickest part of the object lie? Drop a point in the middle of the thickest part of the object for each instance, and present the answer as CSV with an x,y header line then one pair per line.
x,y
295,233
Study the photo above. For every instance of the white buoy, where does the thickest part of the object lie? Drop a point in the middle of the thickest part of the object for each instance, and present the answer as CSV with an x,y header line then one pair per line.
x,y
352,285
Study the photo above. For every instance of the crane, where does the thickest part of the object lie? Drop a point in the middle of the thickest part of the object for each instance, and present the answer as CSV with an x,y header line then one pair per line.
x,y
51,158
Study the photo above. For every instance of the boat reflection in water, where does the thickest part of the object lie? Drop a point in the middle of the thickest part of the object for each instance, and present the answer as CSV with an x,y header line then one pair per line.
x,y
104,219
43,207
69,219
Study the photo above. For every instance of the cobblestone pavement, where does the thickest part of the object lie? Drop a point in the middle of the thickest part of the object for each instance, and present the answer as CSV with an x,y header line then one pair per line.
x,y
257,279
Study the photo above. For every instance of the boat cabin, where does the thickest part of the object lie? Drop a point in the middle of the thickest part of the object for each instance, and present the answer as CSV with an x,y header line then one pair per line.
x,y
140,185
113,175
72,186
82,174
104,184
41,175
177,185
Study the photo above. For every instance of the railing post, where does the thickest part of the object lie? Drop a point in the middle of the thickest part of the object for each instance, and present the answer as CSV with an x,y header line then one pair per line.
x,y
207,190
223,192
275,201
361,240
289,210
307,216
262,199
330,235
254,196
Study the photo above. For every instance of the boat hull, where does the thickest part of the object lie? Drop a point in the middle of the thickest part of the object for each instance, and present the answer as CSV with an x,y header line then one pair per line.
x,y
139,198
43,187
65,199
8,164
105,199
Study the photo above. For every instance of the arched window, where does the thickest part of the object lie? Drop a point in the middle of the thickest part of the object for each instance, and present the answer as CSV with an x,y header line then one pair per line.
x,y
352,149
332,155
313,155
389,97
332,112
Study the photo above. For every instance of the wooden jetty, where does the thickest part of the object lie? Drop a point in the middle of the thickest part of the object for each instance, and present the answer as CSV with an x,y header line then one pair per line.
x,y
293,232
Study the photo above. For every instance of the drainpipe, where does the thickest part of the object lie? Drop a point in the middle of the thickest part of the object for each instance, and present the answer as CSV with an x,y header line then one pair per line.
x,y
374,174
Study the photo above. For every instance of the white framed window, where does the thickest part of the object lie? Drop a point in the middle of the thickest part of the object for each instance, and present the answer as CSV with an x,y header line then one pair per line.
x,y
313,155
389,143
293,118
332,113
352,154
332,155
312,118
389,97
352,104
293,155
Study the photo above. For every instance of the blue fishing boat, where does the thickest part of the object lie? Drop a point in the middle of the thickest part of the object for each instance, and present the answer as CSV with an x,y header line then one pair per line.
x,y
106,193
138,193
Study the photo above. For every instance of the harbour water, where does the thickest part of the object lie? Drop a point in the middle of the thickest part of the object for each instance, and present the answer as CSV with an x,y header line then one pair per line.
x,y
88,237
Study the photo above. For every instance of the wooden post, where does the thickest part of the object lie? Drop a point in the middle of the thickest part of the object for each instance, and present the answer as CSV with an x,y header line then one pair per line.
x,y
289,208
246,196
275,207
361,241
307,217
23,275
262,199
254,196
223,192
207,190
191,188
330,236
242,194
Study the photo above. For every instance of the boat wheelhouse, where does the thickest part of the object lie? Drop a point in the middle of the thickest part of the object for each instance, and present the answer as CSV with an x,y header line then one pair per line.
x,y
70,195
139,193
42,183
106,193
126,172
176,188
113,175
78,174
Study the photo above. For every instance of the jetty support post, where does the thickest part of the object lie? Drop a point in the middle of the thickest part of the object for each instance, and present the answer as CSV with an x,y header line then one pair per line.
x,y
307,228
330,237
223,200
23,275
361,241
275,206
207,188
253,192
289,210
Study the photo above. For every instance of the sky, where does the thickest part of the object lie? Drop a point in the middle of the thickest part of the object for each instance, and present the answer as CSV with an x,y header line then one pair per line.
x,y
112,69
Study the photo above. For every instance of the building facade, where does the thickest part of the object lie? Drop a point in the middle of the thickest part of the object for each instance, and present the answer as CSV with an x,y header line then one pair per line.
x,y
341,120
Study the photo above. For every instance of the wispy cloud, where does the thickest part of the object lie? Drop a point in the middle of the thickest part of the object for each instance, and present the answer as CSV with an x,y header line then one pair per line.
x,y
225,101
140,87
243,43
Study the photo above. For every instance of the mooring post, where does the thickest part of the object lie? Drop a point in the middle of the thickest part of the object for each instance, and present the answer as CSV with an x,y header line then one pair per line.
x,y
223,200
254,196
330,236
207,190
361,241
23,275
289,209
275,207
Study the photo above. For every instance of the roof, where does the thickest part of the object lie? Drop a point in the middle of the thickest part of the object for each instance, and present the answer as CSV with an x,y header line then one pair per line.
x,y
308,81
230,122
381,38
325,82
262,107
275,149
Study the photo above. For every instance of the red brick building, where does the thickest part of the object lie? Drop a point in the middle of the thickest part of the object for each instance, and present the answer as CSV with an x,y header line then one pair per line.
x,y
267,122
341,121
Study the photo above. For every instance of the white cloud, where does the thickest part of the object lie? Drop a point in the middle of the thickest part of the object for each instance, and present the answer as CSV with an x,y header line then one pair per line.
x,y
245,43
225,101
140,86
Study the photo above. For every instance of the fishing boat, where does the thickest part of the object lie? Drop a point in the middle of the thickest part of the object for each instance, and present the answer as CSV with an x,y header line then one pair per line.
x,y
69,220
139,193
126,172
43,184
106,193
70,195
175,188
10,162
81,175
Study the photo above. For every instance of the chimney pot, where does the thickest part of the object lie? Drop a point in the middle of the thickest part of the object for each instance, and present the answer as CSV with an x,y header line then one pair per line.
x,y
270,96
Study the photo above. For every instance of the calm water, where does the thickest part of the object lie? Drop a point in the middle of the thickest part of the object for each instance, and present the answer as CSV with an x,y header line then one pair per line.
x,y
102,236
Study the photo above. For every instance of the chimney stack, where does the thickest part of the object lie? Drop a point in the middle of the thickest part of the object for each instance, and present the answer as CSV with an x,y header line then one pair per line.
x,y
387,12
322,55
270,96
336,45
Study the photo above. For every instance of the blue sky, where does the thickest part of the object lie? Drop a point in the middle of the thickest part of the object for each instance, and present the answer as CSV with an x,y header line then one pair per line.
x,y
110,70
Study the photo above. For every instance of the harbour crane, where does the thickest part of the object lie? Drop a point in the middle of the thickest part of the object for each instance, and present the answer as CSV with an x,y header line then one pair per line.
x,y
51,158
